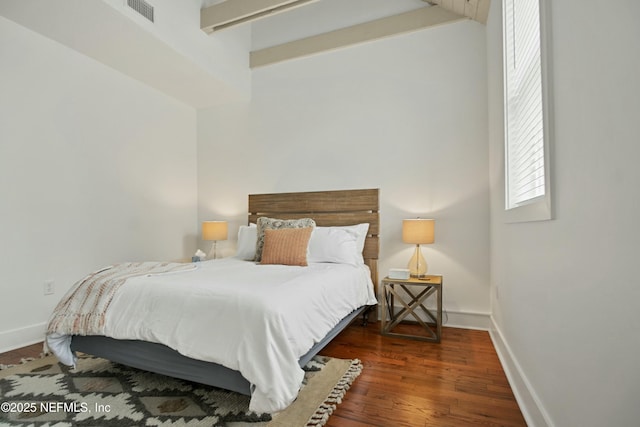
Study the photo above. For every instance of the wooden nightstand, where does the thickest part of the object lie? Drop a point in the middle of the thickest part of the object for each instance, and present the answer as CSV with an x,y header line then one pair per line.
x,y
412,294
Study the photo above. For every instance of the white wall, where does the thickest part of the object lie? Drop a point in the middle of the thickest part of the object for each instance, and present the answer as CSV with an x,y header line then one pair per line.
x,y
565,292
224,54
406,114
164,55
95,168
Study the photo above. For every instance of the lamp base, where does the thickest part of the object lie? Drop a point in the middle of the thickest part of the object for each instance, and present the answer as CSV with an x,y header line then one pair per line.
x,y
213,251
417,264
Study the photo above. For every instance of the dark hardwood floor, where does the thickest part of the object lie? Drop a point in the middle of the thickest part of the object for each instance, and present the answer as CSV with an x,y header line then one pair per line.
x,y
458,382
14,357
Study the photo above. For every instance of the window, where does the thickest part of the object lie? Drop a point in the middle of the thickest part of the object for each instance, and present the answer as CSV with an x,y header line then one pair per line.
x,y
527,192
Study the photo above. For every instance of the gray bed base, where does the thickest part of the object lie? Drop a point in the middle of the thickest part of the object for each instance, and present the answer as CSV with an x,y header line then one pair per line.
x,y
163,360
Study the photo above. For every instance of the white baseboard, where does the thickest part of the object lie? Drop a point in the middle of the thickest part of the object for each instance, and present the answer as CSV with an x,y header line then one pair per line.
x,y
22,337
456,319
530,405
466,320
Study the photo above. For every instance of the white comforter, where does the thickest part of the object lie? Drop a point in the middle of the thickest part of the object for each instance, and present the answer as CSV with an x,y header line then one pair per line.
x,y
257,319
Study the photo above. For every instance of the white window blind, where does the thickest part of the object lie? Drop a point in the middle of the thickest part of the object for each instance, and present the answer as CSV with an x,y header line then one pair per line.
x,y
524,125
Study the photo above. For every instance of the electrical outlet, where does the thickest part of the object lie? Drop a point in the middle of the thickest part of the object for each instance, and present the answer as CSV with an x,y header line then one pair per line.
x,y
49,287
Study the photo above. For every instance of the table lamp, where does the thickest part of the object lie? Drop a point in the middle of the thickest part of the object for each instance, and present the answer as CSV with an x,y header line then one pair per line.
x,y
214,230
419,232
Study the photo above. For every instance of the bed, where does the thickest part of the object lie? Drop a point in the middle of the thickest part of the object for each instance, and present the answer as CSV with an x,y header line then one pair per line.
x,y
329,210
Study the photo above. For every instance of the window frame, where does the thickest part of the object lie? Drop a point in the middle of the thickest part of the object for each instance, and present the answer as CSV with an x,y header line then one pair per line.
x,y
538,208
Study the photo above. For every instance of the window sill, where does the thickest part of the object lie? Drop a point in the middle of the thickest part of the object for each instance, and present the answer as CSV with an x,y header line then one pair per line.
x,y
536,210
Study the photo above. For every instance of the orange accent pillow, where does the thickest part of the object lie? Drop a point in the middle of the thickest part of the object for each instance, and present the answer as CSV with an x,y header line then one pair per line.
x,y
286,246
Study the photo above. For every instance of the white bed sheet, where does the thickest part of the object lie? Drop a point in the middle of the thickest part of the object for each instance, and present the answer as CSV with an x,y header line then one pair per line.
x,y
257,319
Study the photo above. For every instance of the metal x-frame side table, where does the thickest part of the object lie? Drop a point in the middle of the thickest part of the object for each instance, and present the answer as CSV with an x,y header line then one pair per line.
x,y
416,291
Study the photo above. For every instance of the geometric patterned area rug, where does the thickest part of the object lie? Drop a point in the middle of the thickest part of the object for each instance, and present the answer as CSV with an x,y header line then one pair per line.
x,y
102,393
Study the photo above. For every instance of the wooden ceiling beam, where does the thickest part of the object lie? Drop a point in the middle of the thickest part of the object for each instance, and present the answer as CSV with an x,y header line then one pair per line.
x,y
233,12
360,33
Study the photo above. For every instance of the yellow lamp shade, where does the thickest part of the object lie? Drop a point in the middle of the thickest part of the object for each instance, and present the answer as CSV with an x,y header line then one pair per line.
x,y
418,231
214,230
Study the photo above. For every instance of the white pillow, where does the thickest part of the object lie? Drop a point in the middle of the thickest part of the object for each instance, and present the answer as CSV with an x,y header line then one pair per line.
x,y
247,238
361,231
342,245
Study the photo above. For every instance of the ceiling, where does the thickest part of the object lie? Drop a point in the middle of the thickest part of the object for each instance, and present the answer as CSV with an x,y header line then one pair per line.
x,y
175,49
321,16
287,29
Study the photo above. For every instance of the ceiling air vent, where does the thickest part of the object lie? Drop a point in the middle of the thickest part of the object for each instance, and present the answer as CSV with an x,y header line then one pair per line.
x,y
142,7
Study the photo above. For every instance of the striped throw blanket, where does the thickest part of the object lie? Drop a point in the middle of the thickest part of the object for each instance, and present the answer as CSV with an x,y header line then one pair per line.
x,y
83,309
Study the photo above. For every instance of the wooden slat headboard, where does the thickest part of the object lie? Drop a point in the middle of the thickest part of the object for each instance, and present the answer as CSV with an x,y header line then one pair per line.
x,y
327,208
